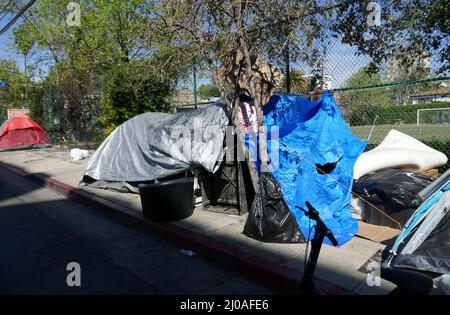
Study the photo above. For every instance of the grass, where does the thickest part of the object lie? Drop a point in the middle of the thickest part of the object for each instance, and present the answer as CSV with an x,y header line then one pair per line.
x,y
423,132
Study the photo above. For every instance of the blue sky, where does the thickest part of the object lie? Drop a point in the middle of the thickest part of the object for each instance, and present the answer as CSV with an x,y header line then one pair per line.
x,y
5,50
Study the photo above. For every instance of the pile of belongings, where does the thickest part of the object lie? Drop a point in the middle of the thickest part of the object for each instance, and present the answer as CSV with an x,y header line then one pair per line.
x,y
388,197
388,177
317,153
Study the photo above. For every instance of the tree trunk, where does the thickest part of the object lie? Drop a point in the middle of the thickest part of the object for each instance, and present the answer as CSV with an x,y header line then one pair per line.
x,y
254,95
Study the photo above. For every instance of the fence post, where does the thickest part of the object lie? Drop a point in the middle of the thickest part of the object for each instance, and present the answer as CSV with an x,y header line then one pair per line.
x,y
194,75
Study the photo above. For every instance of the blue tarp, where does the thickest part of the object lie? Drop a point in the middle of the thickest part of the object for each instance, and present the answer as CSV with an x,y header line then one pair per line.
x,y
313,133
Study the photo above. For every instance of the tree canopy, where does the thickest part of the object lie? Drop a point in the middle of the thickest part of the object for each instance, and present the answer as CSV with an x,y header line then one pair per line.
x,y
126,57
15,95
116,45
409,28
360,99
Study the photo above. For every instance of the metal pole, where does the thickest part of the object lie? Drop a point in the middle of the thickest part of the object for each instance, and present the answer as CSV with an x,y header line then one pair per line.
x,y
194,75
322,74
26,75
288,68
371,129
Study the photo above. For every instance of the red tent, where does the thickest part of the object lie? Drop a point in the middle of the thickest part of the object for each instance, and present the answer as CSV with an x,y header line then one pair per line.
x,y
21,133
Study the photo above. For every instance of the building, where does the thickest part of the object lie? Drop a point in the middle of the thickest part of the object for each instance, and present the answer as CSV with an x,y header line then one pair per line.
x,y
397,70
14,112
400,68
183,96
326,82
441,94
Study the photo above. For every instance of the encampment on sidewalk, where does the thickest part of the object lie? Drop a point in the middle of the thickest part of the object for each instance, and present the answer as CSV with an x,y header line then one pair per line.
x,y
158,167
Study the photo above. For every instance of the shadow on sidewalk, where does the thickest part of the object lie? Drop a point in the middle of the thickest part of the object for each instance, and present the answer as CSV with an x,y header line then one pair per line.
x,y
262,270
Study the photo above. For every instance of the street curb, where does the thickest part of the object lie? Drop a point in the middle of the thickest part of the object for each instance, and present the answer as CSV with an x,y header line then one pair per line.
x,y
270,273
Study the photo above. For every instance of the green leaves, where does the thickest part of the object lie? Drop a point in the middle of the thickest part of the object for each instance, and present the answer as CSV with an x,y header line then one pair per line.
x,y
208,90
19,87
117,61
24,39
129,92
363,99
409,27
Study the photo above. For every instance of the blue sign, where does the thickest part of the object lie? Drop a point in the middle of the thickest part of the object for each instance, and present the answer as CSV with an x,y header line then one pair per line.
x,y
4,84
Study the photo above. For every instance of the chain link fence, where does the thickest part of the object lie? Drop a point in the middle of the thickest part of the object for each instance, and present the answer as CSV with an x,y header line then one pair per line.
x,y
428,124
71,124
412,97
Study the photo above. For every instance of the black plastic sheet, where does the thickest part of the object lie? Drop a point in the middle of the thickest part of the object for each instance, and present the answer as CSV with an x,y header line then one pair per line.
x,y
391,190
270,219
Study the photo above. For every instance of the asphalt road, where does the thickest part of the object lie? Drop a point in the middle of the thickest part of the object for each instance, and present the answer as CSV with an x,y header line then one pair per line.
x,y
41,232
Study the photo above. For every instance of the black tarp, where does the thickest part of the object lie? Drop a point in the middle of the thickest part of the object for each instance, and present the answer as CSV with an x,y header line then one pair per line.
x,y
391,190
424,242
433,254
270,219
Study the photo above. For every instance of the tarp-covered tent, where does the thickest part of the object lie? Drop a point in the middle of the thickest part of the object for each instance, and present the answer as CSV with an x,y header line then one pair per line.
x,y
156,145
22,133
424,242
313,140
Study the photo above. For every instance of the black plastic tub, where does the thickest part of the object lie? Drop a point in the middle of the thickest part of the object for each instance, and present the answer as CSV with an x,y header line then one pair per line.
x,y
168,201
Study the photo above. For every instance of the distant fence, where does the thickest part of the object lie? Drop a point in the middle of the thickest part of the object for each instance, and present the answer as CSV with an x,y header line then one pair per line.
x,y
70,125
190,107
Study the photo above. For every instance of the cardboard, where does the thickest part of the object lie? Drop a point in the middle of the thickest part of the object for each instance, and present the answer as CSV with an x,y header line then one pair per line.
x,y
376,233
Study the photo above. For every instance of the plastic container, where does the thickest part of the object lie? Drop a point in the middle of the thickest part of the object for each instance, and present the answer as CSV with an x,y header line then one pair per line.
x,y
77,154
168,201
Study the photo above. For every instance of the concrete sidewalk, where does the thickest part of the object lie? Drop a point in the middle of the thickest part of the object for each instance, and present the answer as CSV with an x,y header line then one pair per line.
x,y
211,233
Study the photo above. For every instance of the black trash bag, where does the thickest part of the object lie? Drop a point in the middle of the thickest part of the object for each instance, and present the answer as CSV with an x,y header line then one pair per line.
x,y
391,190
270,219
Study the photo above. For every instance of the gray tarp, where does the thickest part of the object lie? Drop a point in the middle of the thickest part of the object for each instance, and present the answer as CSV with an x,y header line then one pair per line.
x,y
155,145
